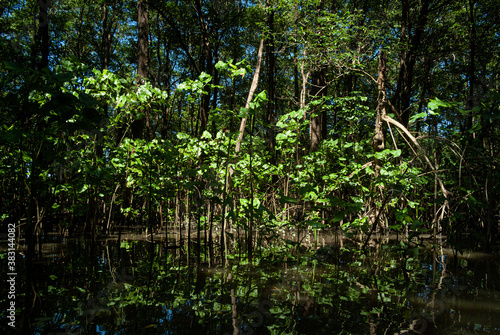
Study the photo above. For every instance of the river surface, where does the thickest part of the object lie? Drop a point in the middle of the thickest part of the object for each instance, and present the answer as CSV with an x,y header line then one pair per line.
x,y
132,285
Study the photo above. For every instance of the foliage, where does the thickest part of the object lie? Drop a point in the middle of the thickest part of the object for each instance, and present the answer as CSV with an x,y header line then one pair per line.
x,y
88,146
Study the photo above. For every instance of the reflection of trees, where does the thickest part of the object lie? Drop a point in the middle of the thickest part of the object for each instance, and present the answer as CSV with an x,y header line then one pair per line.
x,y
157,291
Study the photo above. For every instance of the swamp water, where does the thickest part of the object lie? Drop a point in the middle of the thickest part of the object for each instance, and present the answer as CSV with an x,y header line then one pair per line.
x,y
135,286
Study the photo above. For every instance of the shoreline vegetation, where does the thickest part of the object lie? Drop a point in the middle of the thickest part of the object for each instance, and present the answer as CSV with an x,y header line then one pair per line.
x,y
276,131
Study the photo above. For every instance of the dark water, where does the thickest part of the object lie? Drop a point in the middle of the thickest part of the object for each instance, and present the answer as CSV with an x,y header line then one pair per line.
x,y
141,287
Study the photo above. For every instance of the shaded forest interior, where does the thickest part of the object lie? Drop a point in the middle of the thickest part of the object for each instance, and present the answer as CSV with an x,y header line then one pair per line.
x,y
251,116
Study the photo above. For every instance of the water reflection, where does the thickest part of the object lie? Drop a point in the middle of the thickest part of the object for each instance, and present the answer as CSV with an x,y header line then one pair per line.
x,y
141,287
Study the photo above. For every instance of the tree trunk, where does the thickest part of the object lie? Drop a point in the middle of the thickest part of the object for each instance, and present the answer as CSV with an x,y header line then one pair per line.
x,y
106,37
140,125
472,64
271,62
143,39
206,65
378,141
411,48
318,90
253,88
42,35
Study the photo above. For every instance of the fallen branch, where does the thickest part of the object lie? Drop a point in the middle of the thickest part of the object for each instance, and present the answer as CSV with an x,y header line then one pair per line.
x,y
413,140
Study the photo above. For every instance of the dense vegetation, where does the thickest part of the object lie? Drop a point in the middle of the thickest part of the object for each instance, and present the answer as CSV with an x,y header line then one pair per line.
x,y
216,115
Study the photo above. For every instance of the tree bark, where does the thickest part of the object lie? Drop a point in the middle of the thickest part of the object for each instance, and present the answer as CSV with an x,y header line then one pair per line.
x,y
271,63
318,90
143,39
139,126
378,141
472,64
206,65
408,58
106,37
253,88
317,127
42,36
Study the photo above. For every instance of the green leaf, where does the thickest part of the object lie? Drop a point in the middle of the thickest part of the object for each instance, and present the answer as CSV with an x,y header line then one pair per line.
x,y
261,96
239,72
84,188
285,199
417,116
315,224
182,136
206,135
205,77
396,153
244,111
221,65
256,203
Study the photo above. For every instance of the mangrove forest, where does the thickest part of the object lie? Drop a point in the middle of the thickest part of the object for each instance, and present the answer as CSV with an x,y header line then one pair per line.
x,y
250,167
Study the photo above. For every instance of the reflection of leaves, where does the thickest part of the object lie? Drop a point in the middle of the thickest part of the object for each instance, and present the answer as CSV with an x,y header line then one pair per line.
x,y
347,289
285,199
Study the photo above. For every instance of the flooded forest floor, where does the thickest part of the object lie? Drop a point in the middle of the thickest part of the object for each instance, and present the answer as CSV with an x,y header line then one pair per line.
x,y
312,283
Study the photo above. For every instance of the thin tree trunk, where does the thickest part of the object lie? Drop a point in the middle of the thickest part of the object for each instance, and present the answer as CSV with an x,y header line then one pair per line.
x,y
206,65
42,35
252,191
472,64
318,90
253,88
378,141
106,37
79,36
234,311
139,126
316,126
143,39
409,57
271,63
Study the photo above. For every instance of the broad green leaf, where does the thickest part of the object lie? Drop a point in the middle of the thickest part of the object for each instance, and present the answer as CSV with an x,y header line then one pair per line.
x,y
285,199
